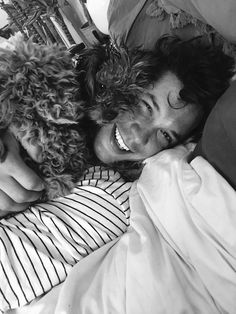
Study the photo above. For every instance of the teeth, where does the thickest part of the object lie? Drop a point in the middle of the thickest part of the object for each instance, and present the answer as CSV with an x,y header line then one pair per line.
x,y
120,141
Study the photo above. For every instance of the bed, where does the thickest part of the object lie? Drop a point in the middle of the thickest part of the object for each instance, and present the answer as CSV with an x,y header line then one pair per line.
x,y
178,256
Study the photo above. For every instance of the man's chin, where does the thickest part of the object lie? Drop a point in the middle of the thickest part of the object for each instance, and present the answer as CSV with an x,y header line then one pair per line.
x,y
129,170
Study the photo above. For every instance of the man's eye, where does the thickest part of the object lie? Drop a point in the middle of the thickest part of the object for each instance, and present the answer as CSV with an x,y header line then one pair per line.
x,y
167,136
148,107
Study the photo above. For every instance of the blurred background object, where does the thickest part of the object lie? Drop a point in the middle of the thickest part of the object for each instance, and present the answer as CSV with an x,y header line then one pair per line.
x,y
65,22
98,11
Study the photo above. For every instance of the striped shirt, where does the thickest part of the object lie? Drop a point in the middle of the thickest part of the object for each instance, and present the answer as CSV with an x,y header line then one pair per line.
x,y
39,246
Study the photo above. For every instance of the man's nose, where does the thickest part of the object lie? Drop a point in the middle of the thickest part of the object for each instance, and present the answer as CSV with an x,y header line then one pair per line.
x,y
141,132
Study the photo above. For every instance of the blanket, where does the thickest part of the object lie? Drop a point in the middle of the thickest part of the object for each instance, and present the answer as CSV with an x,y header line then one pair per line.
x,y
178,256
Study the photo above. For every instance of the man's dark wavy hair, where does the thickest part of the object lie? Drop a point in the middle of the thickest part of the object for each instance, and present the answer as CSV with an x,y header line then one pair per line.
x,y
122,75
204,70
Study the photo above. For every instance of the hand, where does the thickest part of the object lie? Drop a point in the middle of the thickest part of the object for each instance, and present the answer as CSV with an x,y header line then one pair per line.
x,y
19,185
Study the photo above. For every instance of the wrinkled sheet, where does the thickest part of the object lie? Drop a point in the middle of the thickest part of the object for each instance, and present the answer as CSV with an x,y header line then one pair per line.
x,y
178,256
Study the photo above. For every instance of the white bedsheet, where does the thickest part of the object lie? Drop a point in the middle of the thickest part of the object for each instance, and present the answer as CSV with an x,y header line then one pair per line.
x,y
178,256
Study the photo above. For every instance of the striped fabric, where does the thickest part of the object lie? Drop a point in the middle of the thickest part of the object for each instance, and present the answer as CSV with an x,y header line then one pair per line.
x,y
39,246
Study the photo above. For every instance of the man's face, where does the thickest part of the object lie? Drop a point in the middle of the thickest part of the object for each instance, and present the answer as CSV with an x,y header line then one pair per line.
x,y
161,121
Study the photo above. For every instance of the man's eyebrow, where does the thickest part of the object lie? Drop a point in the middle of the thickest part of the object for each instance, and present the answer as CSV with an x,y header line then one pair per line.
x,y
177,136
168,100
154,101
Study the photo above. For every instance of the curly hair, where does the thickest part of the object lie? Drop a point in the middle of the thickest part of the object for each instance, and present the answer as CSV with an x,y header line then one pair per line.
x,y
41,101
204,70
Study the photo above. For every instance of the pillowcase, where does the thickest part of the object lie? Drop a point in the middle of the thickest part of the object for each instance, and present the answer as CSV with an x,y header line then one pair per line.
x,y
217,13
141,23
218,142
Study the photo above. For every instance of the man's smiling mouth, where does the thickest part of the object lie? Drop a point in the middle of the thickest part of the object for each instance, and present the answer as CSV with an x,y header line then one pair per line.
x,y
119,141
